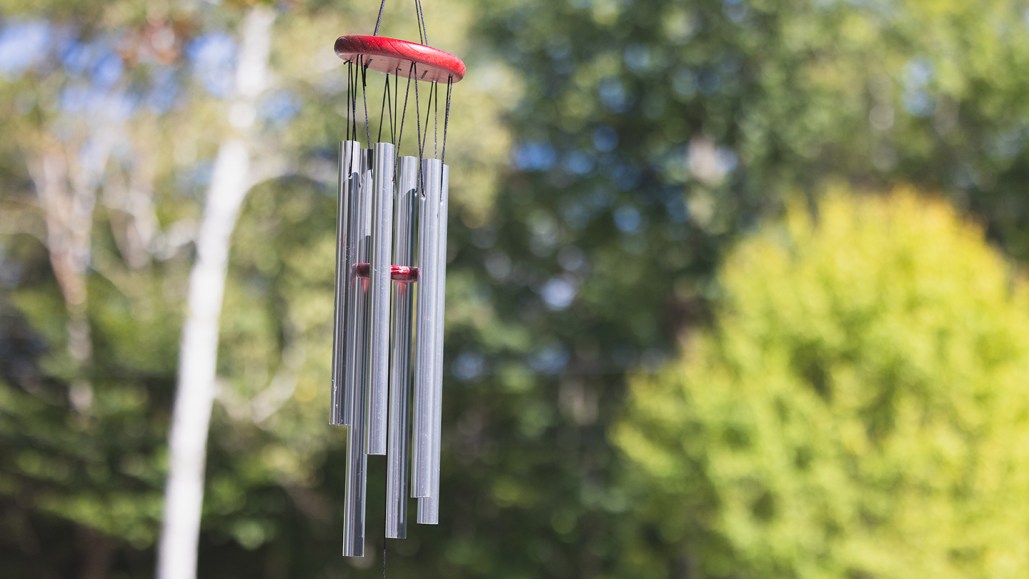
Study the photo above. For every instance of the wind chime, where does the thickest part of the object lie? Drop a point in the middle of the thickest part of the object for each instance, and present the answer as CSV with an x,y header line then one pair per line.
x,y
391,247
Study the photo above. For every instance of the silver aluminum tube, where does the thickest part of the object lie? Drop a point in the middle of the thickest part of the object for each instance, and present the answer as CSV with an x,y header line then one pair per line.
x,y
356,322
425,337
349,174
357,460
400,369
428,507
380,282
354,162
354,510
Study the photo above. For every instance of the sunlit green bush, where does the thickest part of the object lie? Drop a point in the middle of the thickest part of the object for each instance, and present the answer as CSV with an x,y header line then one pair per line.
x,y
860,408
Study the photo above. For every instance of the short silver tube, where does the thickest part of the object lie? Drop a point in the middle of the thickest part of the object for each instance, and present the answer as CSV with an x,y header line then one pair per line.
x,y
400,358
428,507
380,283
349,174
425,331
354,507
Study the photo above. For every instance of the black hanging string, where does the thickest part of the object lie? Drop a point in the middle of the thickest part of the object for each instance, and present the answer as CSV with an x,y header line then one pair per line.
x,y
428,110
423,31
418,136
446,119
364,93
349,85
357,88
446,123
417,115
353,103
382,111
396,105
403,117
378,21
418,19
392,104
435,120
350,94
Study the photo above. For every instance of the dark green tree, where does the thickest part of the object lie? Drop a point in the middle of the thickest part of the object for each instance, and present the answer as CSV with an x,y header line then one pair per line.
x,y
647,137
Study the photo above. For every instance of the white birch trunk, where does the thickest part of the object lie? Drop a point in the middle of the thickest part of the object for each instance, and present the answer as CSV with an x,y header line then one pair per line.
x,y
195,388
68,212
67,181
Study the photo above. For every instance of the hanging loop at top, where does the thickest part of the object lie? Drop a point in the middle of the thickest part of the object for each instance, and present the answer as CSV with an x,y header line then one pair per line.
x,y
378,19
423,31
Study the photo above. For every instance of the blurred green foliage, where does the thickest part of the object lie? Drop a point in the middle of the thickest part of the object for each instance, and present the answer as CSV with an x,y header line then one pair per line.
x,y
648,136
859,408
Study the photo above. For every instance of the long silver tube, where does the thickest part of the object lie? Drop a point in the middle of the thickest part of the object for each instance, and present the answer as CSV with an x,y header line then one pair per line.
x,y
357,460
428,507
428,234
355,330
379,276
400,366
349,174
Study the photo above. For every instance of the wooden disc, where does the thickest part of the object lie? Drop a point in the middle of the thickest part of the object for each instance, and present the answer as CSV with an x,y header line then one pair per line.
x,y
395,56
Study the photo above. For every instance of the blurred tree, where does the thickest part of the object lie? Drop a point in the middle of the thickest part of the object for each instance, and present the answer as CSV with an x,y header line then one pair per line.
x,y
232,178
648,136
858,410
86,253
154,84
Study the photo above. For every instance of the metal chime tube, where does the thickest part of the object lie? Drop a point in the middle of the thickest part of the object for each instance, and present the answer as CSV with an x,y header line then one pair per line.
x,y
425,337
349,174
379,276
359,226
428,507
355,331
400,366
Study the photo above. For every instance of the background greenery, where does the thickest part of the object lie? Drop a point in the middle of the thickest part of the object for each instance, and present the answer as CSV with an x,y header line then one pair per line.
x,y
823,384
858,410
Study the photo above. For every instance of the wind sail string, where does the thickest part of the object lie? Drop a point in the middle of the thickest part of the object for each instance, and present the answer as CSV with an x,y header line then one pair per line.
x,y
391,253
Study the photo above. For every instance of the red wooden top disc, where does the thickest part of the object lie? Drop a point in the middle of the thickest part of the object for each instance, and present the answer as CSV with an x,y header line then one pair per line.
x,y
395,56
